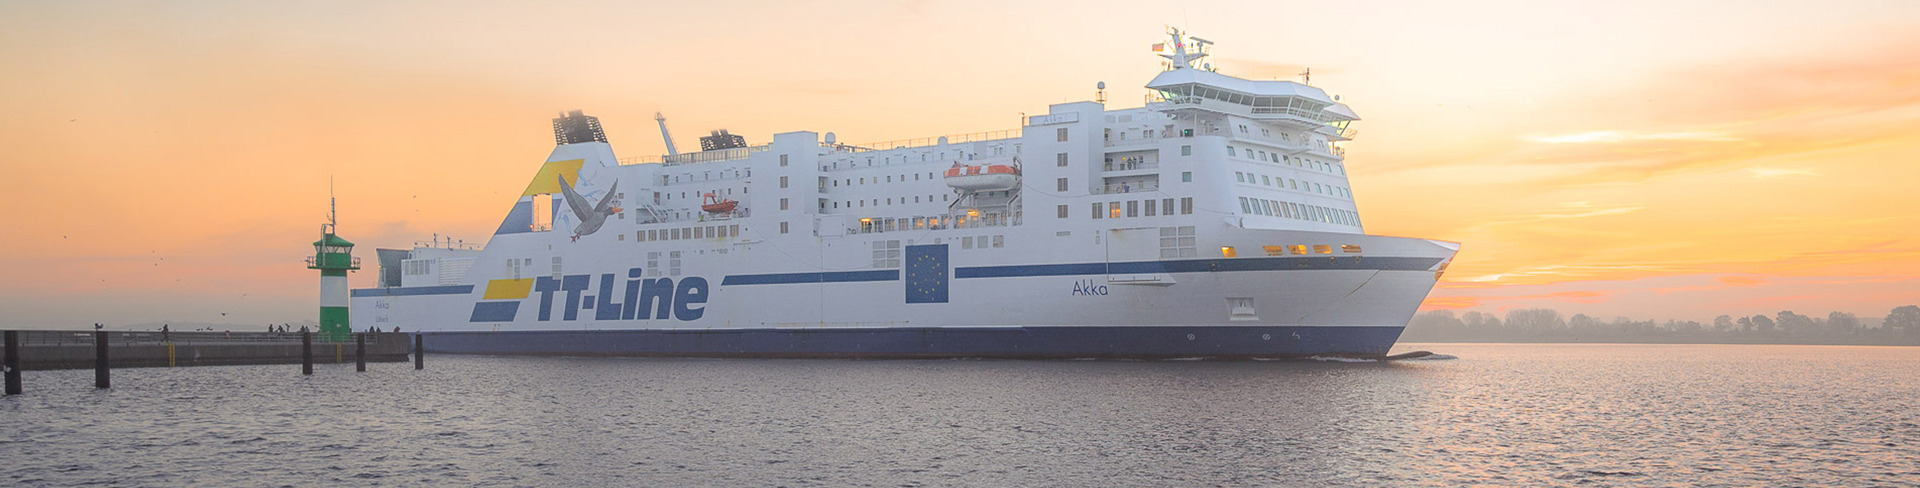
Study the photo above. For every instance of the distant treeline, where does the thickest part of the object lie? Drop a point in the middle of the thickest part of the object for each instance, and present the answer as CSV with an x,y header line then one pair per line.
x,y
1900,327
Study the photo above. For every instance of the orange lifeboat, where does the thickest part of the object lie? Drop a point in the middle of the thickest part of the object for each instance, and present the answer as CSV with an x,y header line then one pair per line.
x,y
716,204
983,177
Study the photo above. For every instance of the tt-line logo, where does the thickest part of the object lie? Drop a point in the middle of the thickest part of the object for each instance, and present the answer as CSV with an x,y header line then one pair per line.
x,y
640,298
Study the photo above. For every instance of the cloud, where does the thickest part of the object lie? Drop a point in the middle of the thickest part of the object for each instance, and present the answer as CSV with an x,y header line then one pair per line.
x,y
1765,173
1616,136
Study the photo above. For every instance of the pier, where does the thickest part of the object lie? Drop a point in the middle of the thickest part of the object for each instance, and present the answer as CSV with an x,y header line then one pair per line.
x,y
73,349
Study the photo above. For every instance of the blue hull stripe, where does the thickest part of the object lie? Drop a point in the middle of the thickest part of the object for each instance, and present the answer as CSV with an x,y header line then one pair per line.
x,y
1144,342
833,277
1076,269
413,290
1203,265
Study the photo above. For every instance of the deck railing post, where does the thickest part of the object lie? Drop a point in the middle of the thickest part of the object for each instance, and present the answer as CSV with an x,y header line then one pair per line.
x,y
102,377
13,362
306,352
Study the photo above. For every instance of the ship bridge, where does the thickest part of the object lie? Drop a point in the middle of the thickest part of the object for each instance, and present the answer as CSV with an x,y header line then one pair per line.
x,y
1277,101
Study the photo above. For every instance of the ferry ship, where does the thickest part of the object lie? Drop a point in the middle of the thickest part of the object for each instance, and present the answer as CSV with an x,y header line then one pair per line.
x,y
1213,221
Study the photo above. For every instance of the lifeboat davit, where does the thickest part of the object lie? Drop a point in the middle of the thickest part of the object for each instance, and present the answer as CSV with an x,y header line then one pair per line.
x,y
716,204
983,177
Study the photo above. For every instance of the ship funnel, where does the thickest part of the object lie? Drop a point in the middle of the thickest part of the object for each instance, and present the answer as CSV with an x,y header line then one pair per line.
x,y
662,119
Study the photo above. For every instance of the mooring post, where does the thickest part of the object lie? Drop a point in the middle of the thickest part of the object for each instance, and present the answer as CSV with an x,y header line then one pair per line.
x,y
13,362
419,350
306,352
101,376
360,352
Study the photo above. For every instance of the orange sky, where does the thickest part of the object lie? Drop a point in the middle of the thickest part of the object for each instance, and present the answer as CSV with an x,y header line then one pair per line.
x,y
169,161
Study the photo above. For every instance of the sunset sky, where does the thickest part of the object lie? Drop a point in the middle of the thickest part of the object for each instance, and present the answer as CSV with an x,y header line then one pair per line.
x,y
169,161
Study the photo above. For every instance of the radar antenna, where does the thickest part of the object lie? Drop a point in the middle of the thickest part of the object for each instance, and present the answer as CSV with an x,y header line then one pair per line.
x,y
1187,50
1306,77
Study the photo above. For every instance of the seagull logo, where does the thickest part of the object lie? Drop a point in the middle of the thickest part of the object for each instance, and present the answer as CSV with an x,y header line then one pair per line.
x,y
591,217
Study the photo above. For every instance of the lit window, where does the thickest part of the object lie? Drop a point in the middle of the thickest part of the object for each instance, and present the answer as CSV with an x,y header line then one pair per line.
x,y
1298,248
1113,211
1350,248
1322,249
1275,250
1228,252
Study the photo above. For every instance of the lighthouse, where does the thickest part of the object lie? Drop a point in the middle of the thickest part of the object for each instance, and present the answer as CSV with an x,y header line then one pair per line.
x,y
333,256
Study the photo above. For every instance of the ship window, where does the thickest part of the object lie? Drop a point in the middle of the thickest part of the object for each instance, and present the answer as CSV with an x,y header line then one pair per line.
x,y
783,160
1113,211
1062,160
889,178
1133,209
1231,153
1322,249
1275,250
1167,205
556,267
1061,183
1264,181
999,240
1295,184
1186,150
1099,209
783,204
966,242
1186,205
1062,209
783,182
1186,176
1246,205
1150,206
1061,134
1228,252
783,227
1299,248
622,237
1349,248
1239,177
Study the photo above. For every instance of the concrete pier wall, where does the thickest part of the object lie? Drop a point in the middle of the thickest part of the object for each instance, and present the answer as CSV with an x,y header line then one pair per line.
x,y
41,350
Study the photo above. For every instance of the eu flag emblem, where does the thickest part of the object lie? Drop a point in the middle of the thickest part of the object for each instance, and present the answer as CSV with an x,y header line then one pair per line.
x,y
927,273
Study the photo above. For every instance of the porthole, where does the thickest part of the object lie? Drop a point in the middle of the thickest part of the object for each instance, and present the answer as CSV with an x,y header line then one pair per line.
x,y
1266,337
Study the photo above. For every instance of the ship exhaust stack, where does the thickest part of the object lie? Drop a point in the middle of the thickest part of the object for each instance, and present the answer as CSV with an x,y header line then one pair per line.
x,y
575,127
662,119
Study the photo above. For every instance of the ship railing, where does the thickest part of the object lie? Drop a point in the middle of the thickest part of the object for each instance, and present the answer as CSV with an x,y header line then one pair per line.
x,y
928,141
697,157
1126,166
1127,188
58,338
881,225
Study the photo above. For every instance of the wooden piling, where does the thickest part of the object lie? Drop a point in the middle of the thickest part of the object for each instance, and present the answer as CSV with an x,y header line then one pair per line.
x,y
13,362
102,377
306,352
419,351
360,352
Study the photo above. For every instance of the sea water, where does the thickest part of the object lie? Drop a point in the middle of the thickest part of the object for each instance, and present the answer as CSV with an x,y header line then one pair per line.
x,y
1523,415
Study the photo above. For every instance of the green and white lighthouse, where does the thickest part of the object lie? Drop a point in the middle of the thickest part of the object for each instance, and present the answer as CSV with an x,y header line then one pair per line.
x,y
333,256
